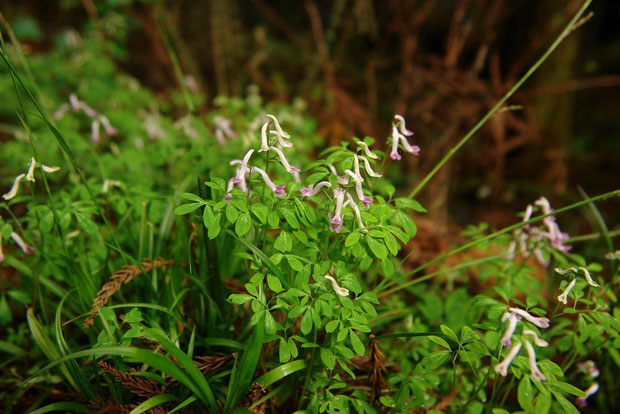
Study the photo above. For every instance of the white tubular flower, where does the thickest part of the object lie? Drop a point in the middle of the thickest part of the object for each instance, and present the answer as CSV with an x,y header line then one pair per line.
x,y
339,290
512,325
400,121
313,189
30,173
356,167
61,111
264,141
537,340
109,129
279,130
222,128
564,296
356,210
94,131
544,204
366,150
341,179
75,102
277,189
537,375
243,167
581,401
15,188
335,220
510,253
585,271
411,149
21,243
502,367
107,184
589,367
588,277
359,190
284,143
540,322
284,161
48,169
527,215
395,139
369,169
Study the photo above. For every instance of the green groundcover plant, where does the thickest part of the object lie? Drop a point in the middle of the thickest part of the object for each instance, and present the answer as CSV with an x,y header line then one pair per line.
x,y
152,262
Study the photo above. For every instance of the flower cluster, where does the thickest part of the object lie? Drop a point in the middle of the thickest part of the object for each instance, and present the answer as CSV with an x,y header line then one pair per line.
x,y
223,129
513,316
399,135
244,167
342,196
29,176
563,297
97,119
529,239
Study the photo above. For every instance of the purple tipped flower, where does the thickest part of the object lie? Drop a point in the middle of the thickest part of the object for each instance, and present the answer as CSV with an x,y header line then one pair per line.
x,y
278,190
512,325
335,222
313,189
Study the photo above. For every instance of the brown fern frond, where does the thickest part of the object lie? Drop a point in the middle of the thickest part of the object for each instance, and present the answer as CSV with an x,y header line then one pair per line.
x,y
134,383
126,274
377,382
213,363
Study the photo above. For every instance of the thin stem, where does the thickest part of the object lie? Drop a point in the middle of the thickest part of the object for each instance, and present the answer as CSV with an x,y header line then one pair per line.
x,y
567,30
505,230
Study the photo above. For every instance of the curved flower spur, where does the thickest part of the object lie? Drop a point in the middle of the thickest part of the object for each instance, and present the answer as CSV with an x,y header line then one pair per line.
x,y
513,316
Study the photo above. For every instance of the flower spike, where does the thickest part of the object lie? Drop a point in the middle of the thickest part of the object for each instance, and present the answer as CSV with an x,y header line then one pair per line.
x,y
278,190
313,189
356,210
502,367
395,140
284,161
279,130
564,296
537,375
335,222
21,243
30,173
537,340
512,325
339,290
15,188
264,141
369,169
581,401
400,122
366,150
540,322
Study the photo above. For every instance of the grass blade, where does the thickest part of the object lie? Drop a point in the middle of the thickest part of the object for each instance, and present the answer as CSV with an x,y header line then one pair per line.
x,y
280,372
153,402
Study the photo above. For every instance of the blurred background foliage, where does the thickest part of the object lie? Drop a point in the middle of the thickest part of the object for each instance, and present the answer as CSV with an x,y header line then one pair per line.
x,y
442,64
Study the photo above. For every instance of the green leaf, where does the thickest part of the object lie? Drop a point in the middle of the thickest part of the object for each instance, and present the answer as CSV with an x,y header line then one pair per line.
x,y
281,372
239,299
46,221
543,404
243,225
331,326
62,406
185,208
439,341
352,239
260,211
525,393
306,323
274,283
153,402
357,344
289,216
284,242
567,406
283,351
411,204
231,213
377,248
328,358
270,324
436,359
242,374
449,333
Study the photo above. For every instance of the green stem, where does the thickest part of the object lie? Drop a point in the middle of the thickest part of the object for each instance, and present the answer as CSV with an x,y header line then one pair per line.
x,y
567,30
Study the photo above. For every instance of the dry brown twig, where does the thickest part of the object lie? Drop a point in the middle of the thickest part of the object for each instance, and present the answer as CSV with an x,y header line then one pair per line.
x,y
126,274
